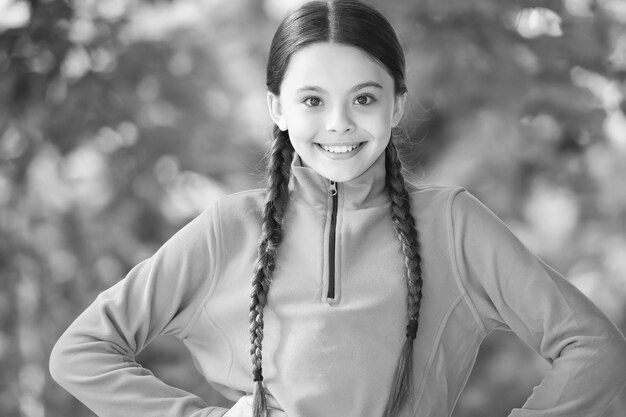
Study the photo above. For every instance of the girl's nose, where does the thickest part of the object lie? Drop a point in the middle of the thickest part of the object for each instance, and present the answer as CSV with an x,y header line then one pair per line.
x,y
339,120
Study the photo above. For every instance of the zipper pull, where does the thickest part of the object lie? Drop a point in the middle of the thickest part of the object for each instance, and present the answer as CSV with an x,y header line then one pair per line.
x,y
333,188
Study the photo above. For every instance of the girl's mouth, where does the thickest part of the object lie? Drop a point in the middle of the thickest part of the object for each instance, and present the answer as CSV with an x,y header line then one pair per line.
x,y
341,148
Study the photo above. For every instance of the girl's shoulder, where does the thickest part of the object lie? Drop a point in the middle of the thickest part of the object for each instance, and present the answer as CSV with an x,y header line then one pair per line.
x,y
245,197
238,205
446,203
433,196
434,189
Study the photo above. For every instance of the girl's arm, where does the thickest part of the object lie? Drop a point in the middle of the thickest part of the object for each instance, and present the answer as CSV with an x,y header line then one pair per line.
x,y
95,358
510,288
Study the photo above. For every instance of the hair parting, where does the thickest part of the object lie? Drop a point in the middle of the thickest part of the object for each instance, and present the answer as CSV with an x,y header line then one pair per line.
x,y
348,22
278,172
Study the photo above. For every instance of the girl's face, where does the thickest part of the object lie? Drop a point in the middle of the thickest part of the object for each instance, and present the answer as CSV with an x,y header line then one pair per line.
x,y
339,106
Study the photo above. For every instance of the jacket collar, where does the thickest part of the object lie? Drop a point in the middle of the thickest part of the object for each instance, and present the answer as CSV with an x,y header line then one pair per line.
x,y
366,190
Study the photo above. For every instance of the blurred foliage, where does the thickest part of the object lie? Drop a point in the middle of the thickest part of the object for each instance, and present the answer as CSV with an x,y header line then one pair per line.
x,y
121,119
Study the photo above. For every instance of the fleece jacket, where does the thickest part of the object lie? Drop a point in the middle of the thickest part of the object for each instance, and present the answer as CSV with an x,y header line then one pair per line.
x,y
337,310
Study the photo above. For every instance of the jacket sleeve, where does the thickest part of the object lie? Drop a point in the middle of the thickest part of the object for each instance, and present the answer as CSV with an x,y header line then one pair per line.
x,y
510,288
95,358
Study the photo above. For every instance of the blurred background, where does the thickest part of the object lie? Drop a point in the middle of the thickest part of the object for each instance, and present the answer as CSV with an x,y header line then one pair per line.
x,y
120,120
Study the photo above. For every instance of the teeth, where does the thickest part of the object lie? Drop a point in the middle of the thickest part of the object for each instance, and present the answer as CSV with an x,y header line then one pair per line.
x,y
340,149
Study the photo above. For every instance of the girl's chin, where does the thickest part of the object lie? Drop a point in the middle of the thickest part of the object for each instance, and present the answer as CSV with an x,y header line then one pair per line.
x,y
340,175
338,170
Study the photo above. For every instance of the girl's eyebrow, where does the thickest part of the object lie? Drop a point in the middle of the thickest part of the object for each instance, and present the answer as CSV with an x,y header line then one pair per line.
x,y
355,88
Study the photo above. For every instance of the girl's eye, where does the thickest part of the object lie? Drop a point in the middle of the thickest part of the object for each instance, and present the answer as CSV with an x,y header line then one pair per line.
x,y
364,100
312,101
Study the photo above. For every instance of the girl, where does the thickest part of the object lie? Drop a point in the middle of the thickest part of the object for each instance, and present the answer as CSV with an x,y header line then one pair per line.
x,y
336,324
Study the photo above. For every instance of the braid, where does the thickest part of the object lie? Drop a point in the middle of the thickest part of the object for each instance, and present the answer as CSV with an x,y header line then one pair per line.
x,y
404,224
278,172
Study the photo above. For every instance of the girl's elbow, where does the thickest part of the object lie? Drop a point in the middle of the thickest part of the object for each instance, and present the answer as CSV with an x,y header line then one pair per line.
x,y
60,362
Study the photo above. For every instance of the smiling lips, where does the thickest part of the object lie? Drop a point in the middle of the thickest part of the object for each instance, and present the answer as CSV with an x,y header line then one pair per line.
x,y
340,148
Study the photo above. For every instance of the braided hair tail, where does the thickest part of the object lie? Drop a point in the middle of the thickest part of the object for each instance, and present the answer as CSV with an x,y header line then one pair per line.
x,y
259,404
404,225
278,172
402,382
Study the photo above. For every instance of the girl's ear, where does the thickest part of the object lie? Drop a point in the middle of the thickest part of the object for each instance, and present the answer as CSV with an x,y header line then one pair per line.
x,y
398,109
273,105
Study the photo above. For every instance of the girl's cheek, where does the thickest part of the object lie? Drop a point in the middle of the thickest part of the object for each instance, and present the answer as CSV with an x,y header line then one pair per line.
x,y
304,126
377,125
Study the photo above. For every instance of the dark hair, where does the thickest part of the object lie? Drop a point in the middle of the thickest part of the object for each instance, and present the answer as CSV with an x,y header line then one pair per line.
x,y
351,23
344,21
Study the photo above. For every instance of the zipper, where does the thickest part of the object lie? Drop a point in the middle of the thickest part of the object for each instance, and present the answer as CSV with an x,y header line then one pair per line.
x,y
332,191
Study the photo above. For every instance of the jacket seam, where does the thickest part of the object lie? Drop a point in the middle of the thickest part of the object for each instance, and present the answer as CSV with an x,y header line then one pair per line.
x,y
224,336
218,263
240,193
212,276
431,358
456,270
